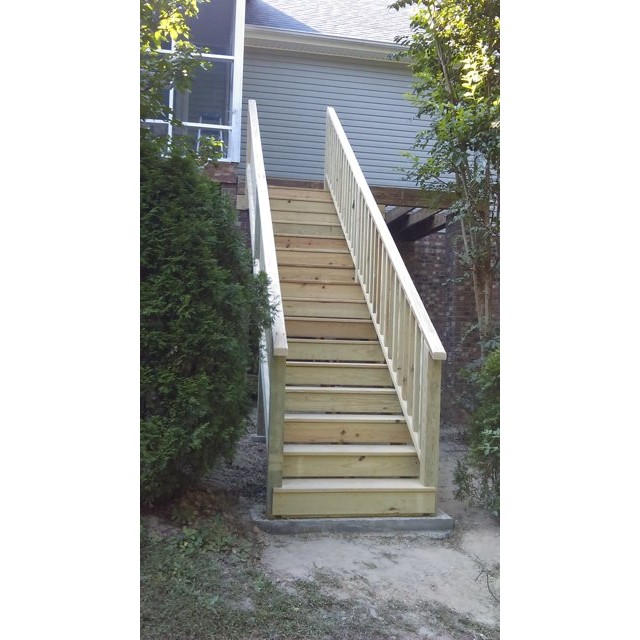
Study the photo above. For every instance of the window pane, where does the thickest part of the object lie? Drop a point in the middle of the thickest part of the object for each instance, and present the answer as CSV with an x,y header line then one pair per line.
x,y
213,28
157,129
209,100
197,135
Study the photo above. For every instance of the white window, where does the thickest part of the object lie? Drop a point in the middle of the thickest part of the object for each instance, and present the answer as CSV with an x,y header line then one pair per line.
x,y
213,105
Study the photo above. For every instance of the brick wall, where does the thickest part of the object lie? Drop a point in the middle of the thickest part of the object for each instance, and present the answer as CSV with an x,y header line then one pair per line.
x,y
448,298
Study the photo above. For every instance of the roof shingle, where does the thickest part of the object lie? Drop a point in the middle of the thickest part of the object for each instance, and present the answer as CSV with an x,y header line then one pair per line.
x,y
360,19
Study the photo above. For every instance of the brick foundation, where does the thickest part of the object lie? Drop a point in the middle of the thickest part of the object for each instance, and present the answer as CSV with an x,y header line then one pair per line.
x,y
448,297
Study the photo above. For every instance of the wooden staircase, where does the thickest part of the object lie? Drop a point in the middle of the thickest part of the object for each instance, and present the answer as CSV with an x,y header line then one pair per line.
x,y
347,448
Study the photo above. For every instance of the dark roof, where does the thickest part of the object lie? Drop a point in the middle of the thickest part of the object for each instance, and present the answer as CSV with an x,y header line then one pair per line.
x,y
360,19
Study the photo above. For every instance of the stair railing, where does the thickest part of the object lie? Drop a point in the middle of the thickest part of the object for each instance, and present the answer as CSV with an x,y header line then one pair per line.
x,y
271,383
409,340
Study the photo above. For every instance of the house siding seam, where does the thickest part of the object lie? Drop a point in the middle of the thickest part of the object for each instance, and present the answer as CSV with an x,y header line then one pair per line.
x,y
292,92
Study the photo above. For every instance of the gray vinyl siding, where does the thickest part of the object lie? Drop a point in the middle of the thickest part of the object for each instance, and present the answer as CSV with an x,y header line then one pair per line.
x,y
292,92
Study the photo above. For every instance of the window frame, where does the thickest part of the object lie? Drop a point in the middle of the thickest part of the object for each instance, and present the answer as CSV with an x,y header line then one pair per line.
x,y
237,64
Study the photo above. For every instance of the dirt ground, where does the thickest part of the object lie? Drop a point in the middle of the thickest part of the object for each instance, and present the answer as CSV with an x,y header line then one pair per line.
x,y
423,587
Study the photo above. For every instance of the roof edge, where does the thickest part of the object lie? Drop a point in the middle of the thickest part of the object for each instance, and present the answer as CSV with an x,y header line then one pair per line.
x,y
291,40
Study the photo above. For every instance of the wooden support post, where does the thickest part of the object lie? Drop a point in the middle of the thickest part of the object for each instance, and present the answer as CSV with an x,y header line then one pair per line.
x,y
276,429
431,444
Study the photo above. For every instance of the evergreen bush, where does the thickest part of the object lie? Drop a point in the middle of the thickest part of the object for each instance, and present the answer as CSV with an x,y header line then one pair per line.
x,y
478,476
201,312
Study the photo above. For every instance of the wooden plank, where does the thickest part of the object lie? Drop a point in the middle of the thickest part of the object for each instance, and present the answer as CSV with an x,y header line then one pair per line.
x,y
416,229
344,350
339,328
322,290
298,189
338,373
395,213
295,216
314,308
311,258
293,241
354,497
344,461
341,400
341,430
302,206
309,274
429,455
276,428
308,229
413,197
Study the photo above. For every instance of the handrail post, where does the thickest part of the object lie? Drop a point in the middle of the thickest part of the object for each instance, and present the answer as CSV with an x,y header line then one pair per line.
x,y
274,347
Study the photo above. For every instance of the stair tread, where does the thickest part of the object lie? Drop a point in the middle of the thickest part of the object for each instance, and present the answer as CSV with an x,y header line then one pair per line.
x,y
304,235
339,389
350,449
351,484
316,319
310,249
334,341
306,299
343,417
342,365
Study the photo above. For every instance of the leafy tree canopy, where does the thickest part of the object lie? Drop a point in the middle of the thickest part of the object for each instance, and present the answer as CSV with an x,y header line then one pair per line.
x,y
161,22
454,54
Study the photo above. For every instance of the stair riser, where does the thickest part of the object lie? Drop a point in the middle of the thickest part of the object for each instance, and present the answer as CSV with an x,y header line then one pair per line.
x,y
345,433
322,350
358,330
306,504
319,309
294,258
295,216
333,291
301,206
335,376
297,242
309,274
293,228
346,466
294,194
352,402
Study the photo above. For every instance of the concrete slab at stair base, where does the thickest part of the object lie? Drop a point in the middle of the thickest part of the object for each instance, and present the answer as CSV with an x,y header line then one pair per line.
x,y
437,526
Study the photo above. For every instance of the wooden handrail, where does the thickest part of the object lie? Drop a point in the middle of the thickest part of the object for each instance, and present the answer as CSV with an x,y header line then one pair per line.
x,y
271,392
408,338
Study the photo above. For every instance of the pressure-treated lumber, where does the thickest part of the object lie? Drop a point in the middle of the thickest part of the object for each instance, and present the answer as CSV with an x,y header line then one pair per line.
x,y
348,328
310,307
341,350
341,399
338,373
345,428
310,228
318,290
302,206
314,258
340,497
296,241
317,273
305,218
344,461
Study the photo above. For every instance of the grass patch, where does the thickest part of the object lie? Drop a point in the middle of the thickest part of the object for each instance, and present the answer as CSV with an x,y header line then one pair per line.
x,y
205,582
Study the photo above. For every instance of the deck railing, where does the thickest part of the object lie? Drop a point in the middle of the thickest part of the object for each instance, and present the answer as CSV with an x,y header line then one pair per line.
x,y
271,384
409,341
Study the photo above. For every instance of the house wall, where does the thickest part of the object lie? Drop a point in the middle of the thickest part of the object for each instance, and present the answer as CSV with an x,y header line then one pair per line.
x,y
292,91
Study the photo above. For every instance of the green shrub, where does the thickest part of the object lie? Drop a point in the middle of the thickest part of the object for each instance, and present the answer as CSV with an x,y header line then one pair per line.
x,y
201,311
478,476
